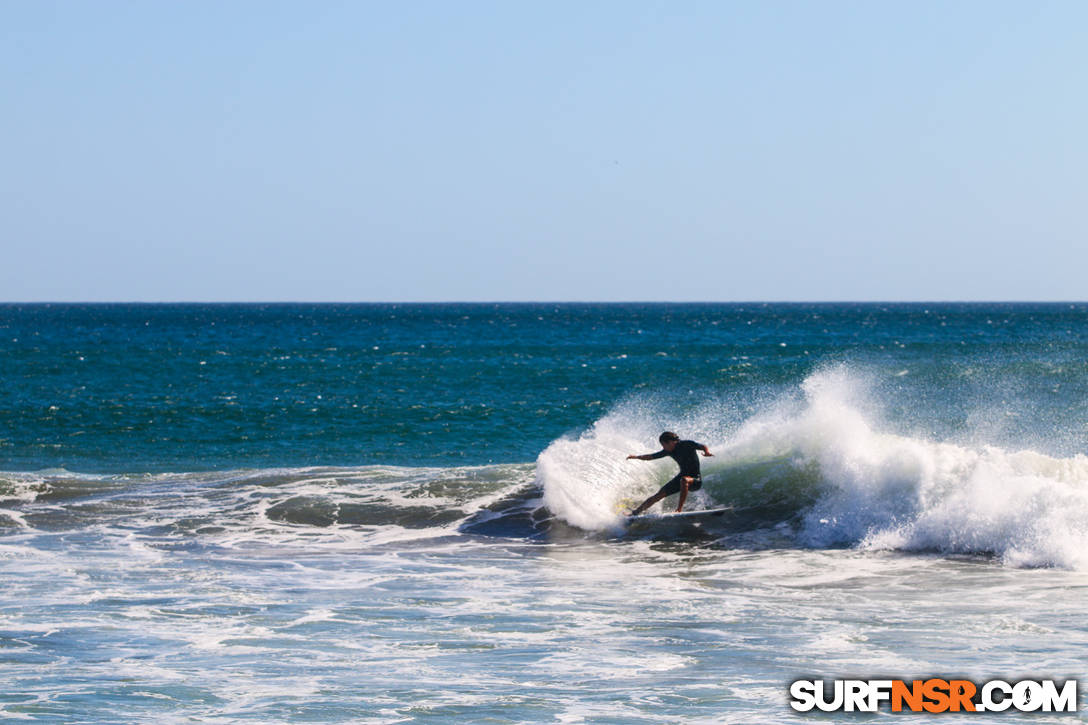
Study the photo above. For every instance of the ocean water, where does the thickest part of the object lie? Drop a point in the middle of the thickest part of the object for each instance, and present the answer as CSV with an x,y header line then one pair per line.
x,y
413,513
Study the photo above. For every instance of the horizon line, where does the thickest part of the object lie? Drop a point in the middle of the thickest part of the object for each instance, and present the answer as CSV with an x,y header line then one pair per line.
x,y
546,302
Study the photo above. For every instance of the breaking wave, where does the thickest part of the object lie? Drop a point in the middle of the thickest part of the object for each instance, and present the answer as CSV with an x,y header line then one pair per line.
x,y
814,468
818,467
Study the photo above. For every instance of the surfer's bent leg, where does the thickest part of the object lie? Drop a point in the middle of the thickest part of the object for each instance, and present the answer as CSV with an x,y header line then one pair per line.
x,y
689,483
668,489
676,485
684,484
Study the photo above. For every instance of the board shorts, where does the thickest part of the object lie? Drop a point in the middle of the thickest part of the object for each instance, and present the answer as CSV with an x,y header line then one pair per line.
x,y
676,484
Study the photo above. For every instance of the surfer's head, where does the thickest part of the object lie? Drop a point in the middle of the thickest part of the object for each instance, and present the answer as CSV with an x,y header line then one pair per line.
x,y
668,440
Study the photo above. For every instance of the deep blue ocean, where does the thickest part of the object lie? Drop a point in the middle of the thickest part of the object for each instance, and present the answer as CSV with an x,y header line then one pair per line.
x,y
134,388
413,512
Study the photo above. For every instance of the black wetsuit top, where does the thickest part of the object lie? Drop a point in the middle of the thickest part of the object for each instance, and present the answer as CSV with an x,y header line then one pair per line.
x,y
685,454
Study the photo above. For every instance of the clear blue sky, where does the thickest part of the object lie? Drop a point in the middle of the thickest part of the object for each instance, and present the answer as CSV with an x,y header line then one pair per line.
x,y
458,150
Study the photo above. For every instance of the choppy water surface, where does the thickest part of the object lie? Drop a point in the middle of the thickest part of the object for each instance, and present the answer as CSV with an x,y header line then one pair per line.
x,y
413,513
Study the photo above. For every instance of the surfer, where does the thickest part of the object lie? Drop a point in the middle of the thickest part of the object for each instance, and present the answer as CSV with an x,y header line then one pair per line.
x,y
689,478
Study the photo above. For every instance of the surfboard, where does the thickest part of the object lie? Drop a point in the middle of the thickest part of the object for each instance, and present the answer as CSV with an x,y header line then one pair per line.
x,y
682,516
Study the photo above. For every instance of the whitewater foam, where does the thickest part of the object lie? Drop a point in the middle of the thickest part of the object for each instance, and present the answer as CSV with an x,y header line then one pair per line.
x,y
848,481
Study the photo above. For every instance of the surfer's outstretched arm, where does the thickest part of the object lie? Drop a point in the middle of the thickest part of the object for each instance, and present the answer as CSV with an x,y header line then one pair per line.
x,y
648,456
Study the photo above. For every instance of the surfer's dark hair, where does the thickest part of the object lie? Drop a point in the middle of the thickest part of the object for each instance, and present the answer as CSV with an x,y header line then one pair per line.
x,y
667,436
